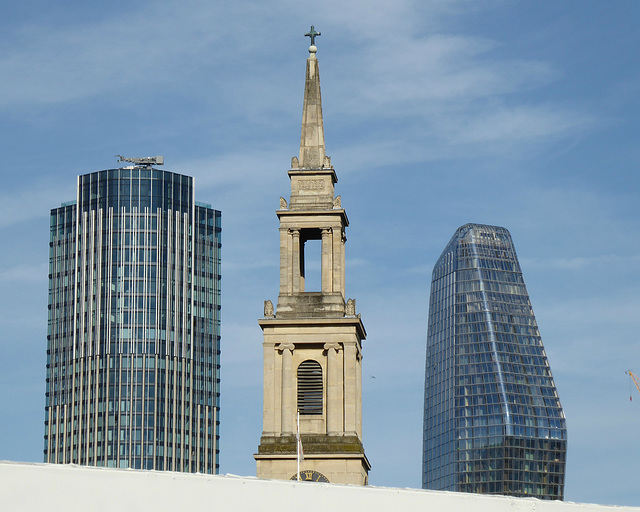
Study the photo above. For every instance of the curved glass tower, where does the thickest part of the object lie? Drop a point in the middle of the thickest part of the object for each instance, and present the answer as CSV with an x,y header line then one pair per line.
x,y
134,322
493,422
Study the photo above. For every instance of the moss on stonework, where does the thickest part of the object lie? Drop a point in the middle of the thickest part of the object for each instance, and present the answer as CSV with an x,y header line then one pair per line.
x,y
312,444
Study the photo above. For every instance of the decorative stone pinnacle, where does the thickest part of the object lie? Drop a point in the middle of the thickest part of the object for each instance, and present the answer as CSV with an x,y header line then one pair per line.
x,y
313,34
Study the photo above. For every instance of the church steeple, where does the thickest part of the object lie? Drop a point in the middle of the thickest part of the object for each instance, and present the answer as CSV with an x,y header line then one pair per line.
x,y
312,150
313,338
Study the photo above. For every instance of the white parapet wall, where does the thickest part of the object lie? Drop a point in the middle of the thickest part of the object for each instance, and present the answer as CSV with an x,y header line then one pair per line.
x,y
70,488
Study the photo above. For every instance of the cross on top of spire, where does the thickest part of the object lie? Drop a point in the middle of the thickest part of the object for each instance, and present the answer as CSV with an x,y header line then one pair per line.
x,y
313,34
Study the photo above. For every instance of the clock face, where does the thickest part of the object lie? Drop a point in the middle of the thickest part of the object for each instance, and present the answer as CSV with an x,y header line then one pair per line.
x,y
309,475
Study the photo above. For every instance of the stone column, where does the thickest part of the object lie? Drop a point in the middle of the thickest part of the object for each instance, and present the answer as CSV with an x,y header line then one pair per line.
x,y
350,391
285,262
296,262
338,267
359,393
327,261
287,388
343,237
268,410
334,382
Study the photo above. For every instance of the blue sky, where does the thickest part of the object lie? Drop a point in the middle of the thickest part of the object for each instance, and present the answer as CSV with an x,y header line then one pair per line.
x,y
437,113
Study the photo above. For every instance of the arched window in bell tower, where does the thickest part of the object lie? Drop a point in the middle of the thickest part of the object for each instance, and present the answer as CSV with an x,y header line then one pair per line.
x,y
310,387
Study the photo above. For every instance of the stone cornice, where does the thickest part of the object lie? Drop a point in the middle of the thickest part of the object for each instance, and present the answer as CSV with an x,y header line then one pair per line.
x,y
315,213
315,322
307,172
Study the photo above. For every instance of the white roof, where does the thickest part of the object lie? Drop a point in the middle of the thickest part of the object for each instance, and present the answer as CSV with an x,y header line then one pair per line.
x,y
69,488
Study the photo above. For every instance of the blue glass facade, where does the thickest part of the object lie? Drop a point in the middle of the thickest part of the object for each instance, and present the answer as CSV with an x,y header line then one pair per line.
x,y
493,422
133,338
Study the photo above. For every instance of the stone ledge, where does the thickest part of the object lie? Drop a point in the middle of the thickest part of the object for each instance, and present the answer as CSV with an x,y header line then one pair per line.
x,y
302,323
311,443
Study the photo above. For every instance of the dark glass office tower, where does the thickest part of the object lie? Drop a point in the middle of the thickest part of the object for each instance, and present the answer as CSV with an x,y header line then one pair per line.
x,y
493,422
134,322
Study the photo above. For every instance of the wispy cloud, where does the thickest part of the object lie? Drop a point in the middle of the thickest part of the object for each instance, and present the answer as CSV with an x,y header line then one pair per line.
x,y
255,167
520,123
457,84
580,263
33,201
438,70
25,274
589,335
148,43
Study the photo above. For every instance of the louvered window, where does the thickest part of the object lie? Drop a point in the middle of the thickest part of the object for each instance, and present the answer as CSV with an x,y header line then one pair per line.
x,y
310,387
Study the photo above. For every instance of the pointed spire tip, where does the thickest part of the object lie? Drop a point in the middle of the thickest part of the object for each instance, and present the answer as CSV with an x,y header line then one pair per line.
x,y
312,151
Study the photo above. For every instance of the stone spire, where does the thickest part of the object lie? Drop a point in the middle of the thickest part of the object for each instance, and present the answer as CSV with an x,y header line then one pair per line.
x,y
312,152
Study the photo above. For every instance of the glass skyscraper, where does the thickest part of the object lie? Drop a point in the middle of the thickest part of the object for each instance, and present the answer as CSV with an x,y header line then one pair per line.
x,y
134,325
493,422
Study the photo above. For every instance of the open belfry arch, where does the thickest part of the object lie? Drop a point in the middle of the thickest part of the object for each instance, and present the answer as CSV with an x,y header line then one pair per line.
x,y
313,339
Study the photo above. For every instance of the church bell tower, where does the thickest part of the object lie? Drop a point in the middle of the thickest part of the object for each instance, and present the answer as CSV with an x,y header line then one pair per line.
x,y
313,339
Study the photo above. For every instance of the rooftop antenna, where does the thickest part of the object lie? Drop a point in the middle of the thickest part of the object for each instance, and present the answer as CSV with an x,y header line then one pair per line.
x,y
143,161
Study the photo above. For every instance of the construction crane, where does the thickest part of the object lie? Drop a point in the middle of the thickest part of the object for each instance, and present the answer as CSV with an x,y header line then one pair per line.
x,y
636,381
